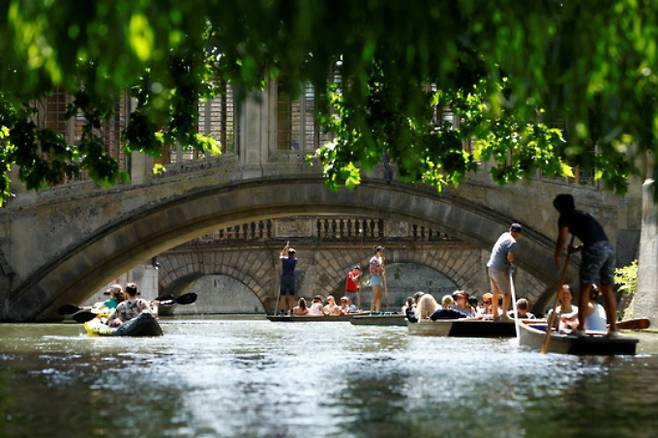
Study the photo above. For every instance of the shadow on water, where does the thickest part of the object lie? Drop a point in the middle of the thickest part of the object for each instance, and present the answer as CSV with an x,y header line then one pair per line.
x,y
213,377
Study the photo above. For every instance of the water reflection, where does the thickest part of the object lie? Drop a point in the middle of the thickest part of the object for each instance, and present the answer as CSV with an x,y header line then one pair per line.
x,y
256,378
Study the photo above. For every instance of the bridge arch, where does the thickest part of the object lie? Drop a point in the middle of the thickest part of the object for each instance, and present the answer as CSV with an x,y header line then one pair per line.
x,y
175,280
146,231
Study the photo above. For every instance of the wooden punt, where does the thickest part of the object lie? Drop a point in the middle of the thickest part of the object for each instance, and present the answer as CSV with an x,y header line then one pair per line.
x,y
464,328
379,319
291,318
596,343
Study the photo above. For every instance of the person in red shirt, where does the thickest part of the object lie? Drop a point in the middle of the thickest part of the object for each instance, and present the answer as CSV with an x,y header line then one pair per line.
x,y
352,285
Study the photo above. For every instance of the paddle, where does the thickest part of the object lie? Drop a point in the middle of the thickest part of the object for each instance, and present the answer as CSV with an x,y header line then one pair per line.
x,y
87,315
68,309
278,289
84,316
516,311
167,297
634,324
551,319
188,298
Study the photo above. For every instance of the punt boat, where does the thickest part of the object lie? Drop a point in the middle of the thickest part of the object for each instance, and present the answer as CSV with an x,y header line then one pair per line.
x,y
385,318
329,318
596,343
464,328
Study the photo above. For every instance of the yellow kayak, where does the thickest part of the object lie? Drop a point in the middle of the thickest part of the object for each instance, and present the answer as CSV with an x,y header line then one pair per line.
x,y
142,325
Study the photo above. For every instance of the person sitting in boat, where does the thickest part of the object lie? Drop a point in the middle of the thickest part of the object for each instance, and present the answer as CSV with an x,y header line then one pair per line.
x,y
567,313
595,315
475,304
316,307
116,296
409,309
346,305
331,308
447,312
131,307
523,307
486,310
300,309
115,291
461,303
426,306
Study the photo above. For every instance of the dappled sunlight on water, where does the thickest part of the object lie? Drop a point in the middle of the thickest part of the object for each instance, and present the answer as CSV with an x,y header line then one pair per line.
x,y
257,378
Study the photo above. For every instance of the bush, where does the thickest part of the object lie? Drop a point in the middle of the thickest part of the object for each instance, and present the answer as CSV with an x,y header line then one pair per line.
x,y
627,278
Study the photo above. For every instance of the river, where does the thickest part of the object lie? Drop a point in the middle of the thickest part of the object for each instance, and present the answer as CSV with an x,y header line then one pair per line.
x,y
254,378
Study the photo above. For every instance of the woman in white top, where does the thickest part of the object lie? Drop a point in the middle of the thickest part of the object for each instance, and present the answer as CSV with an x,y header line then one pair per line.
x,y
316,307
376,268
596,319
567,313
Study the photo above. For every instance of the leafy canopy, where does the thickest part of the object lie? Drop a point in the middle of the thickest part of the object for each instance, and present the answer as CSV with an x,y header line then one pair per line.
x,y
503,67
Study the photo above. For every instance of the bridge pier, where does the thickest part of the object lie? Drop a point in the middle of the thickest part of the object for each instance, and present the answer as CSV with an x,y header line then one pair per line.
x,y
645,302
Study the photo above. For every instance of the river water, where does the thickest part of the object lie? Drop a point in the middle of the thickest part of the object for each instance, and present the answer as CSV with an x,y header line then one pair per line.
x,y
215,377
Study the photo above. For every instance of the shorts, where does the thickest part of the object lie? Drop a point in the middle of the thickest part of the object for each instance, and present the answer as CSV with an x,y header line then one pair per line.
x,y
287,285
375,280
352,296
598,264
501,278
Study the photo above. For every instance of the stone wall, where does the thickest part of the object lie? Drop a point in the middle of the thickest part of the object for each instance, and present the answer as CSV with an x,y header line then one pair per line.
x,y
220,294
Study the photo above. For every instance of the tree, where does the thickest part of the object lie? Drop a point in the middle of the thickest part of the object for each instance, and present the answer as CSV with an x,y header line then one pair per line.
x,y
502,66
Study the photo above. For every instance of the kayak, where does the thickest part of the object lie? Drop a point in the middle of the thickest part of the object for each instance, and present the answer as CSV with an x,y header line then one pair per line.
x,y
464,328
330,318
596,343
142,325
379,319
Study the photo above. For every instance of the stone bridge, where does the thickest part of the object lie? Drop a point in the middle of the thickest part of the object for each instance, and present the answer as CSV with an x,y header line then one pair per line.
x,y
59,246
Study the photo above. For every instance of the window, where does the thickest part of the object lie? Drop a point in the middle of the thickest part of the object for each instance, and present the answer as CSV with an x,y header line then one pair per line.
x,y
297,126
217,119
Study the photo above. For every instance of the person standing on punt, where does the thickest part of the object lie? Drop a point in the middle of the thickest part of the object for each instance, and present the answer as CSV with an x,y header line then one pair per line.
x,y
598,259
287,286
499,266
376,268
352,285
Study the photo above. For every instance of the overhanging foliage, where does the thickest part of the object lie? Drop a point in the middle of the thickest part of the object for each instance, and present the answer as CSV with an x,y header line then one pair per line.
x,y
502,66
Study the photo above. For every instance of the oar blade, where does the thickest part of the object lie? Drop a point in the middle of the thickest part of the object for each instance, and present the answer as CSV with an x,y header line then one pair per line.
x,y
634,324
84,316
188,298
68,309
